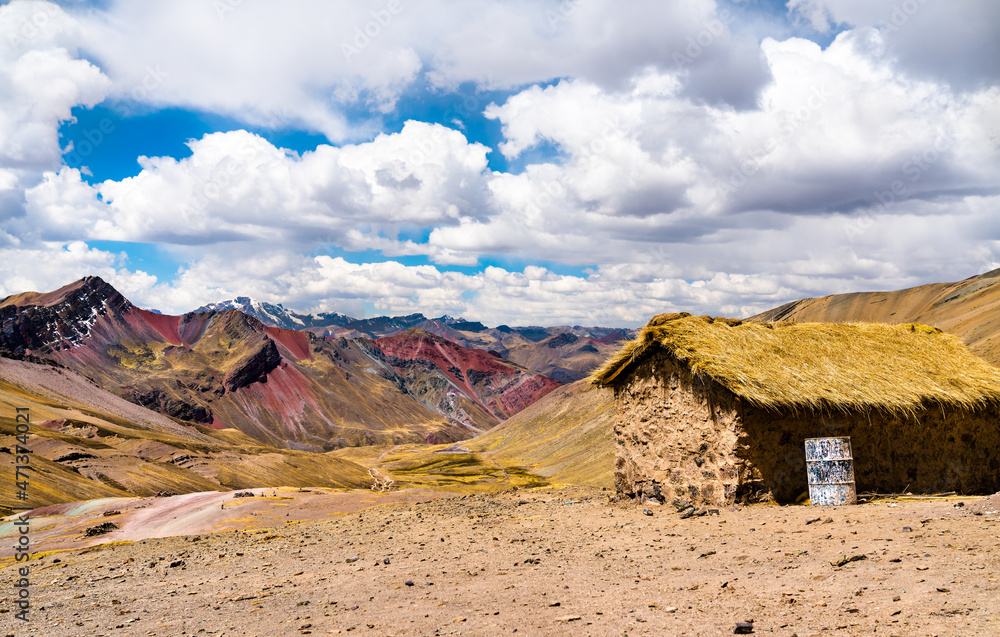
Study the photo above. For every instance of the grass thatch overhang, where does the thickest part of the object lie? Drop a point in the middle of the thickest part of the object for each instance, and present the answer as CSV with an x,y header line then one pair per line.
x,y
819,366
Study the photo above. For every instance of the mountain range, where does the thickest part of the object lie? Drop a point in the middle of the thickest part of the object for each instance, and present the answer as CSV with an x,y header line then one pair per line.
x,y
285,388
566,353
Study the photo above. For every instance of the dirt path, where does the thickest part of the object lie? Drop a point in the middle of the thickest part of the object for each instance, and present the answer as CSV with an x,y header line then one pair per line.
x,y
386,452
547,562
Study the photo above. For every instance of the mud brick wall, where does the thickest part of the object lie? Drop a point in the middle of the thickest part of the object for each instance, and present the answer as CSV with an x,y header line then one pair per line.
x,y
676,436
934,451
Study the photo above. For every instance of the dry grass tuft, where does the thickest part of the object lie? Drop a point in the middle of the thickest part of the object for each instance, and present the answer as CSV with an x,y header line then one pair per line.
x,y
854,366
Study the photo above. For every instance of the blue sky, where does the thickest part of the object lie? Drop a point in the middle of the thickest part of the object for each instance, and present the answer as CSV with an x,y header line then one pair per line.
x,y
166,131
576,161
142,130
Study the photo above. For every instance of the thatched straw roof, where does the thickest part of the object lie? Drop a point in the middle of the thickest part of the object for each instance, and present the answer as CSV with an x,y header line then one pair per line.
x,y
855,366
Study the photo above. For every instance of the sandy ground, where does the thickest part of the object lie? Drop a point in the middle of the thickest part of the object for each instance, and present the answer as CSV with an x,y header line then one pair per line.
x,y
64,526
542,562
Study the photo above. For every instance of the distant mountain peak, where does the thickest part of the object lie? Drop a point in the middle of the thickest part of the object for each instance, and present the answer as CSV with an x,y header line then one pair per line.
x,y
252,302
276,315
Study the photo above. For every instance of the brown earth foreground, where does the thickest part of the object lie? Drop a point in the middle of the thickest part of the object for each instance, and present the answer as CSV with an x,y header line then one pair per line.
x,y
531,562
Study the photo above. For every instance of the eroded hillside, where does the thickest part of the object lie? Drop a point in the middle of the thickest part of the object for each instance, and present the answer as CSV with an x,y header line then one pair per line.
x,y
970,309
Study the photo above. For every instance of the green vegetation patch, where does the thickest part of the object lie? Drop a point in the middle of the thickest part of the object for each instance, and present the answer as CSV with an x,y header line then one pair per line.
x,y
137,357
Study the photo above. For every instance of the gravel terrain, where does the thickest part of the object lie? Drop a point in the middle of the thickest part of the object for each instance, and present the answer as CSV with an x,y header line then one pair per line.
x,y
539,562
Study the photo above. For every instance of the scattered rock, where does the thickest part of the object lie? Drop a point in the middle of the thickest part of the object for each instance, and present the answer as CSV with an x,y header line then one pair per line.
x,y
647,512
177,563
352,560
408,582
743,628
385,561
569,618
813,520
101,529
108,514
244,494
843,560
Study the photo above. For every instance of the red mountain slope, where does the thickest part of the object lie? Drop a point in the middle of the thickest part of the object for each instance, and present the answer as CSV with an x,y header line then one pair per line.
x,y
470,385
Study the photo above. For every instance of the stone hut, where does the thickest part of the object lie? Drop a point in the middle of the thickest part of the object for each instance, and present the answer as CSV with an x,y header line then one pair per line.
x,y
716,411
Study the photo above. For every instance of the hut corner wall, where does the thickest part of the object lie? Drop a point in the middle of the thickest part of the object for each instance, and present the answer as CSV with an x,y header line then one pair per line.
x,y
675,436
